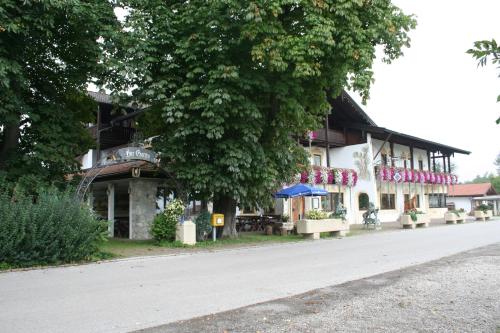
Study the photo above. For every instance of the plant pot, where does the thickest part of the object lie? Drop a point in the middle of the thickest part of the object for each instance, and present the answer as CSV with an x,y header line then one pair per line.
x,y
312,228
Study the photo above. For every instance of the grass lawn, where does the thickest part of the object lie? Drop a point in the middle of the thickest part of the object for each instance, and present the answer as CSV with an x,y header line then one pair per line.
x,y
132,248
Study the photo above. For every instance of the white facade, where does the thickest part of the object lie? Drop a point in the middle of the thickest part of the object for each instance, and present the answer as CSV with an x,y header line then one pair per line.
x,y
360,156
464,203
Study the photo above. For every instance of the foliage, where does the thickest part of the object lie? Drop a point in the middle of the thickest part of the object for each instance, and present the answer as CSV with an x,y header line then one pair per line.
x,y
49,52
413,214
165,224
487,178
497,164
316,215
485,50
484,208
50,228
235,83
203,227
285,218
457,211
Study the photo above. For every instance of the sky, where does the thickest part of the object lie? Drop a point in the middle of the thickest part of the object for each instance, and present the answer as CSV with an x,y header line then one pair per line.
x,y
436,91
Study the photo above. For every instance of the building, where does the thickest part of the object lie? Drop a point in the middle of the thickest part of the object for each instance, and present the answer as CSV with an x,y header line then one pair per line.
x,y
357,161
463,196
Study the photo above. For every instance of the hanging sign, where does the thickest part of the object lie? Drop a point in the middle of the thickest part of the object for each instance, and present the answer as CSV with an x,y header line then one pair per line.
x,y
131,154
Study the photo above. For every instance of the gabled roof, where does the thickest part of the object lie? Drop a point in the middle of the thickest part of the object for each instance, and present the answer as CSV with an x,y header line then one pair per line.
x,y
471,190
346,110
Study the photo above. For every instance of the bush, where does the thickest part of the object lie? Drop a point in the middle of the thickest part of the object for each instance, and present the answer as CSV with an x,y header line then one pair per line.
x,y
165,224
203,227
484,208
51,228
316,215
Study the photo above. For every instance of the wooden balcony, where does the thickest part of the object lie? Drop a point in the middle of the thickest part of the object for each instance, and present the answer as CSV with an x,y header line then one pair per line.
x,y
335,138
113,136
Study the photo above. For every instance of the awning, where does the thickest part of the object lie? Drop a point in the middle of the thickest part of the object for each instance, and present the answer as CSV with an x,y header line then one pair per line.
x,y
300,190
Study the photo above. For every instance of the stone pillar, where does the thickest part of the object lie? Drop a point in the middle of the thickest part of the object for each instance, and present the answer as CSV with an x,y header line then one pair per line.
x,y
186,233
142,201
111,209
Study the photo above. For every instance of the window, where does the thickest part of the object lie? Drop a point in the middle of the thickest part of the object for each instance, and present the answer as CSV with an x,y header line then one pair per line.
x,y
315,203
317,159
363,201
412,202
384,159
420,165
387,201
437,200
329,203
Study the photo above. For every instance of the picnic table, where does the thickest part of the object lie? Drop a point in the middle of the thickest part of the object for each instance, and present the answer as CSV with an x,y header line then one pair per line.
x,y
255,222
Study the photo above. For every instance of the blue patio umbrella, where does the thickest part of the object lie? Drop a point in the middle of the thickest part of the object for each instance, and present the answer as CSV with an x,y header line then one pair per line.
x,y
300,190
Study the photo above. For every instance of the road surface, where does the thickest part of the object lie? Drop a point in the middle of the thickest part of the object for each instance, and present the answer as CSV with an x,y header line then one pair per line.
x,y
138,293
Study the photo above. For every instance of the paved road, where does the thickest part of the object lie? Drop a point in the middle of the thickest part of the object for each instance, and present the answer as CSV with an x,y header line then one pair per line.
x,y
458,293
138,293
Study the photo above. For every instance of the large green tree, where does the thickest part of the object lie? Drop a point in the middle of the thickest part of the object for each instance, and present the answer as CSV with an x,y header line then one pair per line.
x,y
49,52
485,51
232,84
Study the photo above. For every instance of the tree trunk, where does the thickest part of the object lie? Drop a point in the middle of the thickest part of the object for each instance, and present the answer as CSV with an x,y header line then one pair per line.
x,y
11,133
227,206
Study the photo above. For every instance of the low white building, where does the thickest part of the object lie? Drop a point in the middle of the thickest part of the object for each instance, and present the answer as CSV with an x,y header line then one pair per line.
x,y
463,196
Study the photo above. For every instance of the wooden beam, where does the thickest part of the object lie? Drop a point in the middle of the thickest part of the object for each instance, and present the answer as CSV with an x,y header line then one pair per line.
x,y
449,164
381,147
327,142
429,160
392,153
412,162
444,164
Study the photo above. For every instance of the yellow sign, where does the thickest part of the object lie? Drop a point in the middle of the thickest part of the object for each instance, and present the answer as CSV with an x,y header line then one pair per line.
x,y
217,220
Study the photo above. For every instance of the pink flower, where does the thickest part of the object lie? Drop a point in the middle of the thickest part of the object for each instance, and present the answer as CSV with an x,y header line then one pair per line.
x,y
344,177
303,177
330,177
355,178
317,177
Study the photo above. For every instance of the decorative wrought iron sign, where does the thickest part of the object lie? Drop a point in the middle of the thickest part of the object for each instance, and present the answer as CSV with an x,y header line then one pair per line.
x,y
131,154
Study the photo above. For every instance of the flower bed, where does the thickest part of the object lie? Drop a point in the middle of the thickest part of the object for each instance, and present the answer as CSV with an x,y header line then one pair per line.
x,y
313,228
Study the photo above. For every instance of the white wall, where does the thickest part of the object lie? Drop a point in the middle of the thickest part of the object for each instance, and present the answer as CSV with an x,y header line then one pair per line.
x,y
461,202
344,158
88,159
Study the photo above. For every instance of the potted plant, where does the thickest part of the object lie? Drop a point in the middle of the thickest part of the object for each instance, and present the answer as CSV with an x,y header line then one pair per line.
x,y
455,216
317,221
483,212
413,217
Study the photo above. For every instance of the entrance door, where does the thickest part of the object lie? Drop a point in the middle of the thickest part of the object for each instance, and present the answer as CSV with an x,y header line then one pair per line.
x,y
297,208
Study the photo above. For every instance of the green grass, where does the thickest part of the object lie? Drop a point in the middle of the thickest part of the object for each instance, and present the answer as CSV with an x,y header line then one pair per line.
x,y
129,248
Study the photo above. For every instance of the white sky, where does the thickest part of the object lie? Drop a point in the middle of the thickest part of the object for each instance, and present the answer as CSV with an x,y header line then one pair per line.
x,y
436,91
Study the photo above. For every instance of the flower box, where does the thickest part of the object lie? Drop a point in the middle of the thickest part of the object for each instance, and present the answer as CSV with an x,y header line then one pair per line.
x,y
313,228
483,216
451,217
422,221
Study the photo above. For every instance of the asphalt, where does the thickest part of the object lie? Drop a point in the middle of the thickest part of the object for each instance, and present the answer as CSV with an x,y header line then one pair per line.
x,y
458,293
138,293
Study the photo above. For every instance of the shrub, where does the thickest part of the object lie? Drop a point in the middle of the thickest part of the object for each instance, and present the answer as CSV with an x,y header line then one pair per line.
x,y
484,208
51,228
316,215
165,224
413,214
203,227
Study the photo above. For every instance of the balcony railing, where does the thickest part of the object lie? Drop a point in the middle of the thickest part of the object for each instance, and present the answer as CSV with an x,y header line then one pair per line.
x,y
334,137
113,136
